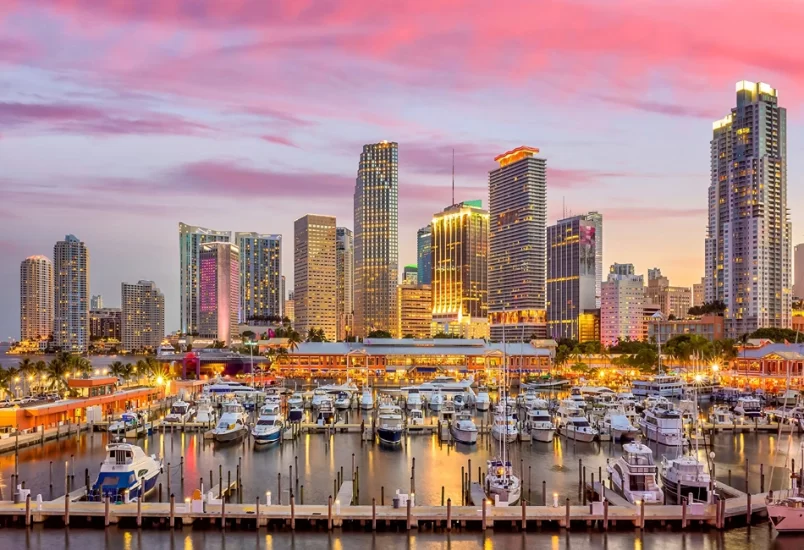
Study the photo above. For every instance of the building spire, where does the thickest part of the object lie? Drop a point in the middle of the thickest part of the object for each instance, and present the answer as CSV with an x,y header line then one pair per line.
x,y
453,175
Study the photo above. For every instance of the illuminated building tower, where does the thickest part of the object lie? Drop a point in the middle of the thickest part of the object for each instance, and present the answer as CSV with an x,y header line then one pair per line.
x,y
191,238
517,265
71,290
260,275
345,266
748,236
105,323
573,273
622,307
414,311
143,316
424,240
798,261
36,298
460,259
218,291
315,294
410,274
376,239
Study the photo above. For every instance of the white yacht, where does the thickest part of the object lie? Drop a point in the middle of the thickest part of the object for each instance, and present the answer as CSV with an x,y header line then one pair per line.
x,y
343,401
482,401
390,426
446,385
464,429
578,429
319,396
721,415
663,385
567,408
127,421
540,425
126,472
296,400
326,411
504,487
526,399
787,397
662,423
268,428
459,401
633,475
366,399
618,425
504,427
685,476
205,413
436,401
181,411
349,387
230,387
748,408
577,397
413,399
415,417
787,515
233,423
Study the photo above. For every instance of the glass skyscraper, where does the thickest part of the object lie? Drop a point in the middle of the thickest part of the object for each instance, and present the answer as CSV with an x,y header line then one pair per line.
x,y
260,275
71,301
376,237
218,291
315,274
345,268
424,240
191,237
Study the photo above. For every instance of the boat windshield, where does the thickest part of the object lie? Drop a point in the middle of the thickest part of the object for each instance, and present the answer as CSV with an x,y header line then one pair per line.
x,y
638,459
580,423
266,422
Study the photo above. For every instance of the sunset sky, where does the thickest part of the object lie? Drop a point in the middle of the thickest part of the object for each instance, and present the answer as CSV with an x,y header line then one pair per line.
x,y
120,118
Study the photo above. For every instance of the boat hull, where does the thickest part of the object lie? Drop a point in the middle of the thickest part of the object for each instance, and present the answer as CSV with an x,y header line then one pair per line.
x,y
467,437
543,435
482,406
229,436
266,438
500,436
624,435
662,438
389,436
785,519
700,493
579,436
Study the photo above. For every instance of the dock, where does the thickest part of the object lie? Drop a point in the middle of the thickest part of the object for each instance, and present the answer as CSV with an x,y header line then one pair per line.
x,y
20,440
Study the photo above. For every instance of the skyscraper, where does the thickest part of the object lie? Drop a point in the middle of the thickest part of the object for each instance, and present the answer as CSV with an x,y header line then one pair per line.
x,y
260,275
622,307
698,292
142,324
460,261
517,266
672,301
376,238
574,260
414,311
798,267
748,236
105,323
315,291
410,274
345,267
191,238
218,291
36,298
71,301
424,240
96,302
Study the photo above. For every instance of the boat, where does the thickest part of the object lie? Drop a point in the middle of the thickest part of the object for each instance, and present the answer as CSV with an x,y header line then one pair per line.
x,y
459,401
526,399
447,385
127,421
415,417
268,428
436,401
618,425
326,411
577,428
787,397
447,412
567,408
662,424
296,413
389,424
721,415
413,399
504,427
633,475
230,387
577,397
343,401
663,385
685,476
296,400
181,411
319,396
126,474
748,408
366,399
539,424
482,401
464,429
232,425
787,515
349,387
205,413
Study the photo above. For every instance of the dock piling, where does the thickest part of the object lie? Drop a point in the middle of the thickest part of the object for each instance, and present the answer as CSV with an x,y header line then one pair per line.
x,y
544,493
139,503
762,478
106,518
373,514
683,512
223,514
181,465
172,510
567,514
292,513
329,513
28,510
279,488
581,486
67,510
605,514
168,476
449,514
524,516
485,502
382,495
747,510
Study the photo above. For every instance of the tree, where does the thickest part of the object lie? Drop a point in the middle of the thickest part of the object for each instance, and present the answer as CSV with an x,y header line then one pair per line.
x,y
26,369
778,335
248,335
444,335
408,337
580,368
316,335
56,375
716,307
379,334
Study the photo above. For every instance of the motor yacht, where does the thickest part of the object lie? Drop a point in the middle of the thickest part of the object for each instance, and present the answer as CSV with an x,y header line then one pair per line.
x,y
413,399
787,515
127,421
343,401
436,401
205,413
504,427
633,475
268,428
503,487
319,396
685,477
233,423
464,429
415,417
366,399
482,401
721,415
539,424
663,385
326,411
180,412
748,408
126,473
662,423
618,425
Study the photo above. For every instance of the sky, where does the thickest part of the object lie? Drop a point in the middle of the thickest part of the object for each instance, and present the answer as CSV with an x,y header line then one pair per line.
x,y
121,118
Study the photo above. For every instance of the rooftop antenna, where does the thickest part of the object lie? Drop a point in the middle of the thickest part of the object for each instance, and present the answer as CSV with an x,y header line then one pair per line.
x,y
453,175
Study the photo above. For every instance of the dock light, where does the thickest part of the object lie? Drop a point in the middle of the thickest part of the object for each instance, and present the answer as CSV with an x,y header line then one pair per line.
x,y
267,498
555,500
160,380
338,506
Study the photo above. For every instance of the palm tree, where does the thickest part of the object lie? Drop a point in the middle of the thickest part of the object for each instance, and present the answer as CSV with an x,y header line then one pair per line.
x,y
294,339
6,380
27,371
56,375
119,370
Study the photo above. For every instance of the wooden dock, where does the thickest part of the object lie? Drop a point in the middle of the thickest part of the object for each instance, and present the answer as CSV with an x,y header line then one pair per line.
x,y
18,441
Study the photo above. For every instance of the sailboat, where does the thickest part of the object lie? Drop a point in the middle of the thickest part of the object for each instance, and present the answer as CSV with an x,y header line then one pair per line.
x,y
502,486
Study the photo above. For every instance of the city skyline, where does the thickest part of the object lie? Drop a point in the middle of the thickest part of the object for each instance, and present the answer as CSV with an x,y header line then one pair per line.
x,y
219,142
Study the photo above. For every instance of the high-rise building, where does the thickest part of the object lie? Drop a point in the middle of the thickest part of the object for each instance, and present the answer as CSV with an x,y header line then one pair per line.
x,y
260,275
376,238
798,271
574,261
105,323
424,240
748,235
290,307
410,274
414,305
315,294
143,316
345,268
96,302
36,298
218,291
672,301
460,262
698,292
622,309
71,296
282,297
191,238
517,268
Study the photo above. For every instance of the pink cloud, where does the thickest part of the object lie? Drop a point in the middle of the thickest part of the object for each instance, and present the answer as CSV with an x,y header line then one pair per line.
x,y
279,140
648,213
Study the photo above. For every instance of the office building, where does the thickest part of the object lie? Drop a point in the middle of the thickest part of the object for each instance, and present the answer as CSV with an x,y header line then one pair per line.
x,y
96,302
143,316
36,298
345,268
589,326
748,235
574,262
414,316
622,311
460,276
376,239
191,238
798,271
282,297
698,293
260,276
315,294
105,323
517,267
71,295
290,308
673,301
218,291
410,274
424,239
708,326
